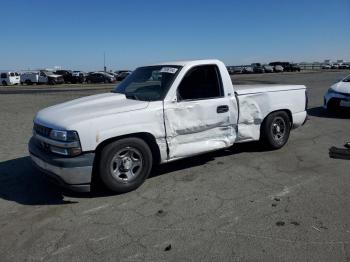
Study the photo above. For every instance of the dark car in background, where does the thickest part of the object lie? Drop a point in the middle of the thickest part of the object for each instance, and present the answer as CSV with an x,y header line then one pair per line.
x,y
122,75
287,67
66,74
257,68
72,77
98,77
230,70
79,76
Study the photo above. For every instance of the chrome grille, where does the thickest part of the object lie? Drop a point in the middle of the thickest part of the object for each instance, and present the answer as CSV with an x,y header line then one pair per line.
x,y
42,130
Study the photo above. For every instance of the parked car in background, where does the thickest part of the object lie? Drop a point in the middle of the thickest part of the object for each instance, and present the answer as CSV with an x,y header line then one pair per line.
x,y
67,75
115,75
41,77
247,70
287,67
335,66
121,76
230,70
99,77
238,70
72,77
326,66
268,68
257,68
344,66
338,95
8,78
278,68
79,76
295,67
121,71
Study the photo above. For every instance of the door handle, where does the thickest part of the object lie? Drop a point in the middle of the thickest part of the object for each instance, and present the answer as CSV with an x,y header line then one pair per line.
x,y
222,109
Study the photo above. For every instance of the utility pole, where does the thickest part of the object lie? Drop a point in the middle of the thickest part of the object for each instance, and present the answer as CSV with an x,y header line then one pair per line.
x,y
104,62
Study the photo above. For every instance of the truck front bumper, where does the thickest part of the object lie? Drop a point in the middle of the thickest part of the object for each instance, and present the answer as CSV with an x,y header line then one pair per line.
x,y
73,173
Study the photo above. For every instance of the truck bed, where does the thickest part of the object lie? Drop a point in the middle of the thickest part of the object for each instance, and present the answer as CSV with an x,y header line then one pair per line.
x,y
257,101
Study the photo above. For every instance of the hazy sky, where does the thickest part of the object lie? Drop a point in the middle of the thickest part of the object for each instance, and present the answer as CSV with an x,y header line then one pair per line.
x,y
75,34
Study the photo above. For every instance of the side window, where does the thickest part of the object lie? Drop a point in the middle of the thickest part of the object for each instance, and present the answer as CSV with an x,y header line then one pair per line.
x,y
3,75
201,82
12,74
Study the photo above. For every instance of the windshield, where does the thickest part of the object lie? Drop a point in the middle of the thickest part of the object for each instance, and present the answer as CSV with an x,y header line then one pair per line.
x,y
347,79
149,83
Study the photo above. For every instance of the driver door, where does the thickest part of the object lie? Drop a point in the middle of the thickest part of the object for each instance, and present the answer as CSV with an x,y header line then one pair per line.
x,y
201,119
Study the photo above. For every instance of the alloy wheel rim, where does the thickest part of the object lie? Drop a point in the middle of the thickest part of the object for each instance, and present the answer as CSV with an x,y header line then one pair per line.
x,y
278,129
126,164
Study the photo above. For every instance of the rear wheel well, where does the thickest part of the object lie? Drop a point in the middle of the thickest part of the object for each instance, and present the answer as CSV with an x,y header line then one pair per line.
x,y
289,113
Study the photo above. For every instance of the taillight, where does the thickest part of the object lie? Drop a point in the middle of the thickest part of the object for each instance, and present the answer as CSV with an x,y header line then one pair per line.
x,y
306,99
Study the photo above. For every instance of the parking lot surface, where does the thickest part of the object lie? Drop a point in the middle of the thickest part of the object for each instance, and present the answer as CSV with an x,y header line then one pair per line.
x,y
241,204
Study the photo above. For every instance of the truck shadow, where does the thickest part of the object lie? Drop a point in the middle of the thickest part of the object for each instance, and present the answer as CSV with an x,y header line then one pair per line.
x,y
343,113
21,182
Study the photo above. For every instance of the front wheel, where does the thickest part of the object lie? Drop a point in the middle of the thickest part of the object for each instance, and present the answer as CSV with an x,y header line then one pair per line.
x,y
275,130
125,164
333,105
4,83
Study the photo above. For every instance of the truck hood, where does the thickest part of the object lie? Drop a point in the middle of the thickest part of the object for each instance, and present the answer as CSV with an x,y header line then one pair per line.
x,y
342,87
66,115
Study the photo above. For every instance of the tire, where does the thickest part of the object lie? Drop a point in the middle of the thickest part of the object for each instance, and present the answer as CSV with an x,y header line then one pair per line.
x,y
4,83
333,105
125,164
275,130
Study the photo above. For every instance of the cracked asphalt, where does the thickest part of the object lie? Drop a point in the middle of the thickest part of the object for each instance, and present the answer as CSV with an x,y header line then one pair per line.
x,y
241,204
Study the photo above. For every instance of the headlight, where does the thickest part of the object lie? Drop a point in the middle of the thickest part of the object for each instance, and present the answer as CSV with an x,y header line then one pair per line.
x,y
69,144
66,136
332,91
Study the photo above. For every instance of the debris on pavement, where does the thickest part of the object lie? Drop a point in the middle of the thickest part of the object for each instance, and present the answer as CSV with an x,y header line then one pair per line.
x,y
340,153
168,248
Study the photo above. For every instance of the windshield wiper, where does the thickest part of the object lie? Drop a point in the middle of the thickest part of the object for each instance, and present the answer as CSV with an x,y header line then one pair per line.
x,y
132,96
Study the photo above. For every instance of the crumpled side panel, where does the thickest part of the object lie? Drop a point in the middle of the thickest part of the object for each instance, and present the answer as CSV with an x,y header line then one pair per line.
x,y
253,110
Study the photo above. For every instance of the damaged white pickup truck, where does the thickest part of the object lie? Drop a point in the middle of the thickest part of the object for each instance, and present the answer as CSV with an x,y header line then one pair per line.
x,y
158,114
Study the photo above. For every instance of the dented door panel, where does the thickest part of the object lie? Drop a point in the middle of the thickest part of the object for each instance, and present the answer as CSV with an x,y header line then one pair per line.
x,y
194,127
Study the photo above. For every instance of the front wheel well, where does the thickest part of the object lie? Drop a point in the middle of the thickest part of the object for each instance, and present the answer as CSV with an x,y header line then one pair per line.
x,y
147,137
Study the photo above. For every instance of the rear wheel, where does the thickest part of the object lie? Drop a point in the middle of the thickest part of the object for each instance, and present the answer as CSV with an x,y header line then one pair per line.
x,y
275,130
4,83
125,164
28,82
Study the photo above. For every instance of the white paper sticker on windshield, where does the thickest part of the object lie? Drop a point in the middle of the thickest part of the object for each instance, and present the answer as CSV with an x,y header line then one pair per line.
x,y
170,70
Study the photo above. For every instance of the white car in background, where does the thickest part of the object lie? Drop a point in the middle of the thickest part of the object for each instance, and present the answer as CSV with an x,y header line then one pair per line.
x,y
338,95
278,68
9,78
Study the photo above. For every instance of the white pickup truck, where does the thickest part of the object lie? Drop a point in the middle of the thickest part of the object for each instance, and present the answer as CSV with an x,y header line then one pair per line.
x,y
41,77
159,114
